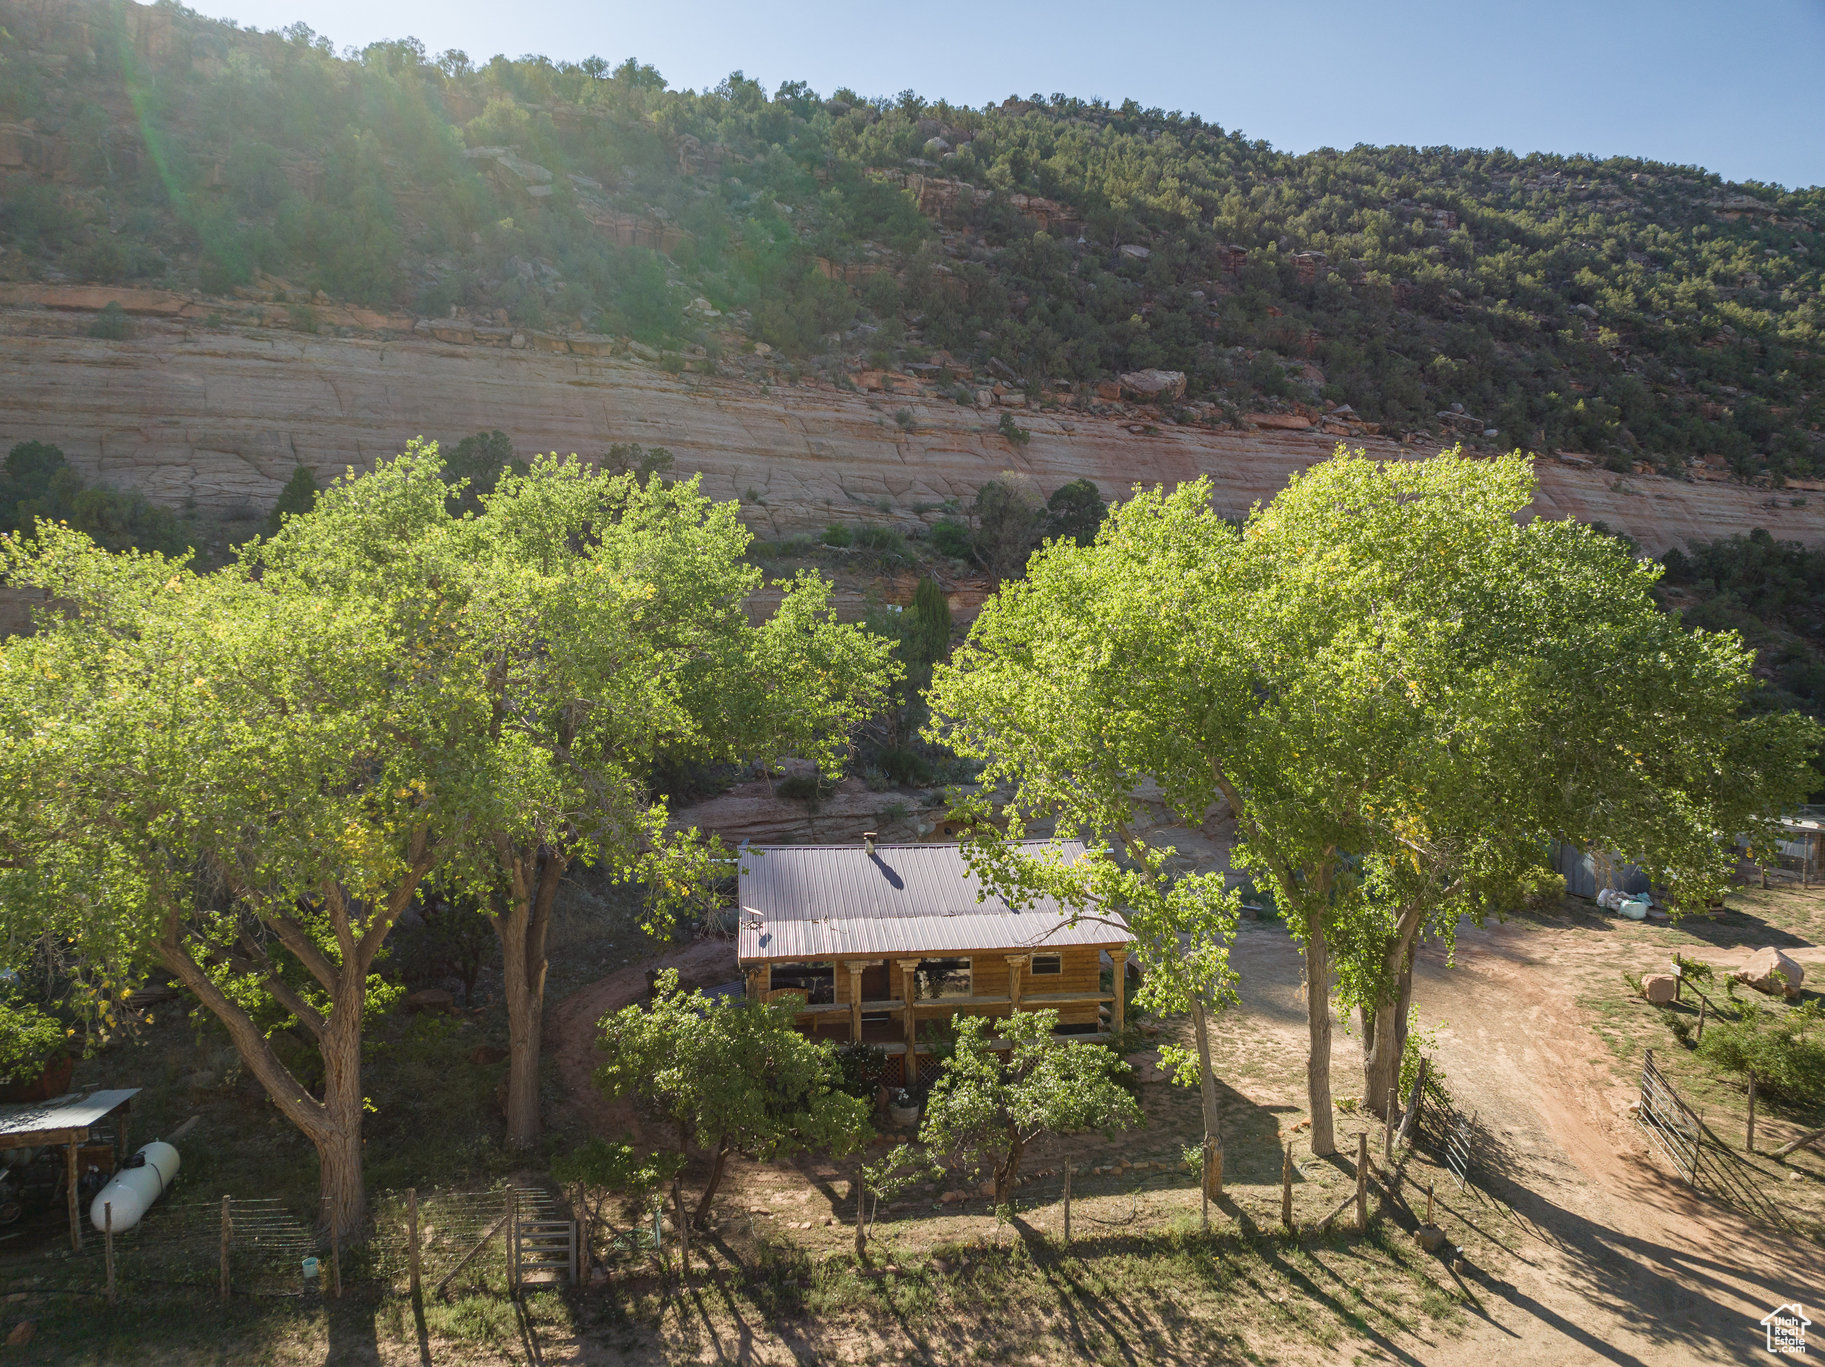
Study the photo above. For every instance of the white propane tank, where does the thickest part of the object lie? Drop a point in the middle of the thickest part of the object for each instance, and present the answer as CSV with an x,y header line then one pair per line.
x,y
142,1179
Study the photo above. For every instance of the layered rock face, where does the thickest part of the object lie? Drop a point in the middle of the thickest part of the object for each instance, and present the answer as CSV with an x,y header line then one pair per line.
x,y
219,417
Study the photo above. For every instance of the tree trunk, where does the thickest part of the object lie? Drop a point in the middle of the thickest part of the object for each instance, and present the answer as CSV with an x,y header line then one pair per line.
x,y
522,928
345,1206
1384,1039
861,1212
1385,1022
1318,1019
1207,1080
333,1125
1005,1174
717,1164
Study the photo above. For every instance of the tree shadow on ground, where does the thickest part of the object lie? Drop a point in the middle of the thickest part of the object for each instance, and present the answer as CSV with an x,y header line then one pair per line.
x,y
354,1338
1674,1298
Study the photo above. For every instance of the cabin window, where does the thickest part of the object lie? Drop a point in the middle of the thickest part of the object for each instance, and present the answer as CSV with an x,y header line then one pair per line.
x,y
1048,965
816,980
939,979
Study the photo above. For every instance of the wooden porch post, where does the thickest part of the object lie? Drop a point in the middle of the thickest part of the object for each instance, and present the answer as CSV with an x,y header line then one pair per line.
x,y
75,1200
760,981
855,967
907,989
1119,958
1016,962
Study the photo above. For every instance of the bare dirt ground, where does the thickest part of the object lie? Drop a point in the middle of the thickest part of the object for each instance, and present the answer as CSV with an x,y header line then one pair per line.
x,y
570,1026
1580,1244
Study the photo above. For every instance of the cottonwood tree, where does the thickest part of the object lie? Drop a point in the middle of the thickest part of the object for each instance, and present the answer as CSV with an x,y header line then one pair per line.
x,y
238,779
1397,692
730,1076
986,1109
595,625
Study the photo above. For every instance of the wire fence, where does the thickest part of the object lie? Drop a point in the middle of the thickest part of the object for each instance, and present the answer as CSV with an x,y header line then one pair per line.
x,y
261,1246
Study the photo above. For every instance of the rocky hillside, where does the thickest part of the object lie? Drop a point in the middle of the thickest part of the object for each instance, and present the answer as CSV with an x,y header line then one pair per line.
x,y
1082,267
212,404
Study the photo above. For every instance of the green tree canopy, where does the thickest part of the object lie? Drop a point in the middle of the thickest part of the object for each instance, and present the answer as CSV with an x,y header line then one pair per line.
x,y
985,1108
1399,692
731,1076
239,779
591,627
299,495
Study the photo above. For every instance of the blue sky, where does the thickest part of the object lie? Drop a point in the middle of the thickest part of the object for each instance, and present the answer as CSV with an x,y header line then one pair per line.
x,y
1738,88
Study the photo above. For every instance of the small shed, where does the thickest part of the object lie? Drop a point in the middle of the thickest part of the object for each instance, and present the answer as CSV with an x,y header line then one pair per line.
x,y
68,1122
1587,873
878,940
1802,843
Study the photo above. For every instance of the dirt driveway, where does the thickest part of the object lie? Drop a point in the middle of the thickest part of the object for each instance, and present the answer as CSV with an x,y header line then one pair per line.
x,y
1615,1260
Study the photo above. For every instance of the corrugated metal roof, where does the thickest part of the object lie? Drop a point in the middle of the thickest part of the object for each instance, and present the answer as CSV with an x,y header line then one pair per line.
x,y
821,901
68,1112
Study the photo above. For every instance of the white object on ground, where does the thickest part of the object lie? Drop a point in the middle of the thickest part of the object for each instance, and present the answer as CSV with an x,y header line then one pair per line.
x,y
141,1180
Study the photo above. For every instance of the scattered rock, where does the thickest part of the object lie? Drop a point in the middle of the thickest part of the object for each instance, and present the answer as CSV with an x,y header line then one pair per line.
x,y
430,999
1768,970
22,1334
1660,988
986,1189
950,1198
1154,384
1134,251
1429,1237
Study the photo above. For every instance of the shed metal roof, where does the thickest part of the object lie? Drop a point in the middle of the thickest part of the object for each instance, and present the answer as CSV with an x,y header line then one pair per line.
x,y
68,1112
822,901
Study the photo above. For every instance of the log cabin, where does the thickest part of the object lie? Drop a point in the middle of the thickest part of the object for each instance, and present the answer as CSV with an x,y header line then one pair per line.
x,y
878,940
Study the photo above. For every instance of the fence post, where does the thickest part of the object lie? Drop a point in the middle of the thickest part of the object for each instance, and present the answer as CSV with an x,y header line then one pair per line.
x,y
1362,1181
227,1230
1067,1203
1749,1142
1286,1188
1704,1004
107,1236
512,1241
412,1234
1428,1203
1204,1185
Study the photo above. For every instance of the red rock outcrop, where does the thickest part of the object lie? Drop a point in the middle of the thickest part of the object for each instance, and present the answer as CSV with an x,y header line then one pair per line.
x,y
221,416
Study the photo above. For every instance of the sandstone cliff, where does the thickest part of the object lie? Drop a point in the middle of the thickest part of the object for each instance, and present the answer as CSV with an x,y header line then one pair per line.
x,y
191,411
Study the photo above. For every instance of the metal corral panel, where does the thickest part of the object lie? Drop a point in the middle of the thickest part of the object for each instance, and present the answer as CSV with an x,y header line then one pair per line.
x,y
821,901
1583,873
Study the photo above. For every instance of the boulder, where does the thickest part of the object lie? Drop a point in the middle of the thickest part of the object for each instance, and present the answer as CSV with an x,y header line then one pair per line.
x,y
1289,422
430,999
1768,970
21,1334
1429,1237
1154,384
1660,988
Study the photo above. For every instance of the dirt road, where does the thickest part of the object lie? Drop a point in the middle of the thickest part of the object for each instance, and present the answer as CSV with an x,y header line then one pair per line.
x,y
1616,1261
570,1032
